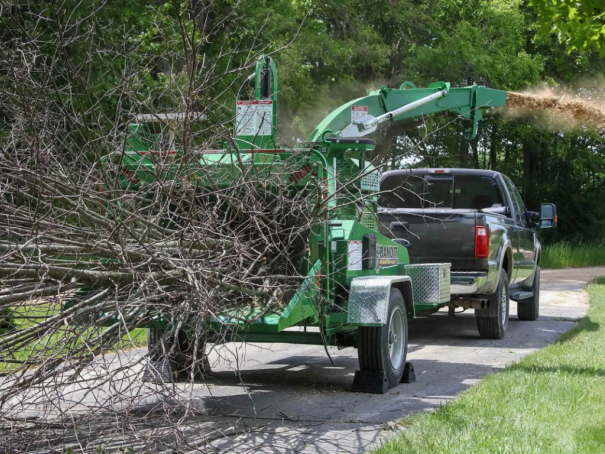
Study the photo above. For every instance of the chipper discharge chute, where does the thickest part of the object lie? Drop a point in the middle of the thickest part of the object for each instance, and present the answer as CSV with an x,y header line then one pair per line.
x,y
349,285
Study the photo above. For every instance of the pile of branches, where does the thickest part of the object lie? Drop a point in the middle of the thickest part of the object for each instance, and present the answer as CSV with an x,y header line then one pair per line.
x,y
140,253
85,259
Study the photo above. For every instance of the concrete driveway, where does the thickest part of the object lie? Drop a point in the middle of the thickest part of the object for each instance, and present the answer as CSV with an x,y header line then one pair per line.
x,y
298,402
289,398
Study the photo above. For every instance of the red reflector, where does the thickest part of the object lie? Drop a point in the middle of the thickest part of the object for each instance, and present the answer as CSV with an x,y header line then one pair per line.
x,y
481,242
301,173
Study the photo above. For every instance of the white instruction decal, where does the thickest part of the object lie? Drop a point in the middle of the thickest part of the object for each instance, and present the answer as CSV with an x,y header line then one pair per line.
x,y
355,255
254,118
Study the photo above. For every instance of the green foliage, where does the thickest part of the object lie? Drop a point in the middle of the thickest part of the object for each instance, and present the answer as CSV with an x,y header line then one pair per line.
x,y
569,255
480,41
550,401
132,57
580,25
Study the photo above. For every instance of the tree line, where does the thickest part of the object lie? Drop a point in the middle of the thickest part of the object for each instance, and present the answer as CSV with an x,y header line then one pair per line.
x,y
327,53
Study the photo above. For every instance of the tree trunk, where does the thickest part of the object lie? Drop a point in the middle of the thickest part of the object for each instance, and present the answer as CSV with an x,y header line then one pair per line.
x,y
493,151
463,146
474,145
530,170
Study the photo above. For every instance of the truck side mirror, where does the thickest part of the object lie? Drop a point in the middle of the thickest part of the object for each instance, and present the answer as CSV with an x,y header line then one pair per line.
x,y
548,215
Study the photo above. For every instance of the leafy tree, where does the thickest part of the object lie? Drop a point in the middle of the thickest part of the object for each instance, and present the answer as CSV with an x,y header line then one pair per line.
x,y
581,25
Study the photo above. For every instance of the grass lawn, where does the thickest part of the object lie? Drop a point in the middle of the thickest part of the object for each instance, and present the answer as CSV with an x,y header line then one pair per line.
x,y
552,401
27,317
567,255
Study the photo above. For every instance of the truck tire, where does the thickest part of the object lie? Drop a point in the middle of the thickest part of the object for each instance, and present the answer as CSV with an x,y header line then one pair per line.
x,y
529,309
179,360
494,327
385,348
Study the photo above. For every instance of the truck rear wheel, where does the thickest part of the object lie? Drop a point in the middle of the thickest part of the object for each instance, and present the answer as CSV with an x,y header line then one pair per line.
x,y
385,348
494,327
180,360
529,309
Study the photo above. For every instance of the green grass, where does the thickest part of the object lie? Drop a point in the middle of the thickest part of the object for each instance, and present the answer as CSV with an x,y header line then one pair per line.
x,y
567,255
45,345
552,401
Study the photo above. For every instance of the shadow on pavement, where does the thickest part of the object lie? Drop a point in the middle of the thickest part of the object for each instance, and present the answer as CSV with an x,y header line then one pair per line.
x,y
461,330
291,399
303,405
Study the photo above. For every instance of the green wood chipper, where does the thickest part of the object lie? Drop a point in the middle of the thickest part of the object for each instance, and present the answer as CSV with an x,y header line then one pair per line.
x,y
357,288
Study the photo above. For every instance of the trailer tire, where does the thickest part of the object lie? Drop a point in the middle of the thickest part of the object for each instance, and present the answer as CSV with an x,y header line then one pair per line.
x,y
494,327
529,309
180,359
385,348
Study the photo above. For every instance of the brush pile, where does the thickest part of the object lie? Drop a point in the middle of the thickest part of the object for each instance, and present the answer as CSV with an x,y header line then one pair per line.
x,y
168,248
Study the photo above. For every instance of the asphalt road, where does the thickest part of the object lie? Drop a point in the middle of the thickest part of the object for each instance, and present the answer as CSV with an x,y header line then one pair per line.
x,y
289,398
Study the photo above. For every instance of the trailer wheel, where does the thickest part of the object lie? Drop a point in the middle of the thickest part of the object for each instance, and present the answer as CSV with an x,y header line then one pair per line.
x,y
529,309
494,327
179,360
385,348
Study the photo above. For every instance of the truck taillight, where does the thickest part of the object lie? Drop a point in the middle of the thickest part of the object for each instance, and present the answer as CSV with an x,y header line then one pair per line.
x,y
481,242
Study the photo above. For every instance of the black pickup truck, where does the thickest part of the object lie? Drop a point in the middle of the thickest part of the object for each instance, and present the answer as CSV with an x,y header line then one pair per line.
x,y
475,220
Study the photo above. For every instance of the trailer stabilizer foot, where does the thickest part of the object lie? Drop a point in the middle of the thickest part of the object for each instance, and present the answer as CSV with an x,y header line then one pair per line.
x,y
369,381
158,372
409,376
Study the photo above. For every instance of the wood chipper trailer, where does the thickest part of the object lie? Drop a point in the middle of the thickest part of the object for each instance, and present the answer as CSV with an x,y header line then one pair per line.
x,y
359,289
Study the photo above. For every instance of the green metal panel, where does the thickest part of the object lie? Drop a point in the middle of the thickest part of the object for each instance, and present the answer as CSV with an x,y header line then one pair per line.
x,y
465,101
304,303
285,337
354,231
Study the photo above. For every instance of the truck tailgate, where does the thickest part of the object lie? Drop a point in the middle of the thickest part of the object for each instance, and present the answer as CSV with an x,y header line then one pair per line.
x,y
443,235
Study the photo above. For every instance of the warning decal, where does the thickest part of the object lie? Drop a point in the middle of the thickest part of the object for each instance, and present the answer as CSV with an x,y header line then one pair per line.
x,y
358,113
254,118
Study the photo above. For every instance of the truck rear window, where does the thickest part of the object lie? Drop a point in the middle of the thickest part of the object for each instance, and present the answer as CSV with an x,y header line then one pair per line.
x,y
447,191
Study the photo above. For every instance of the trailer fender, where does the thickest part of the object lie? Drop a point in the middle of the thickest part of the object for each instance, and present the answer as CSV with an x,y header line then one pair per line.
x,y
369,299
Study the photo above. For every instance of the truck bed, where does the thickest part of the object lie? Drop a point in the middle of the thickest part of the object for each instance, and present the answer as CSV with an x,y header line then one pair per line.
x,y
446,235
